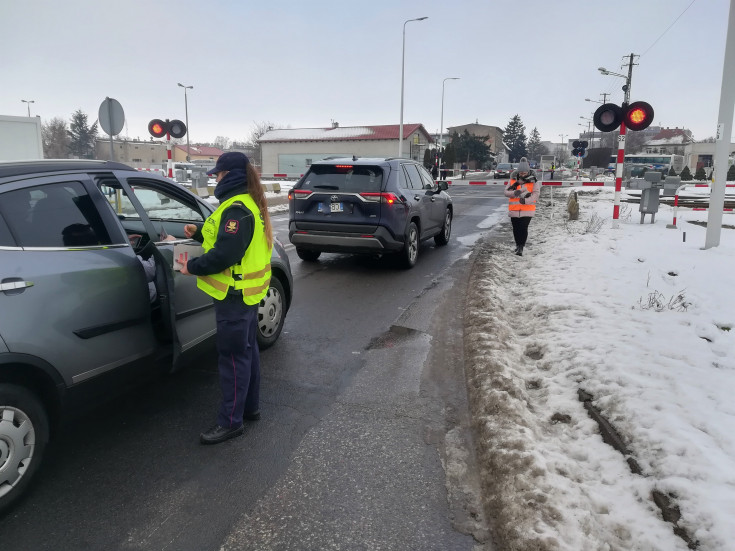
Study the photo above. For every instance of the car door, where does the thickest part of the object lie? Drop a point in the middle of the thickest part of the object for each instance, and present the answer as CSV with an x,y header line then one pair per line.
x,y
421,198
438,203
72,291
160,208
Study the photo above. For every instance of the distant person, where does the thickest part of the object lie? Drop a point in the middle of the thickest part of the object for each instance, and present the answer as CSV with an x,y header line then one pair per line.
x,y
434,172
464,170
553,168
444,170
522,193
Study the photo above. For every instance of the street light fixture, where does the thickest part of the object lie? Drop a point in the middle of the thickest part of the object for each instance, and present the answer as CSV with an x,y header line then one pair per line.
x,y
441,128
186,112
403,66
592,100
28,101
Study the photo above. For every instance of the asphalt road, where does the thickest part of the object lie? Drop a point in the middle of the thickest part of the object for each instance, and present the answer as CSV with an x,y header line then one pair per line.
x,y
364,443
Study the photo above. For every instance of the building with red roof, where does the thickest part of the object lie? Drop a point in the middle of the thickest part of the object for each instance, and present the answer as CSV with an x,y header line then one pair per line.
x,y
292,150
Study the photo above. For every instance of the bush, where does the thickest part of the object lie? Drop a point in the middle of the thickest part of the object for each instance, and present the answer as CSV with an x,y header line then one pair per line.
x,y
686,175
700,174
672,172
731,173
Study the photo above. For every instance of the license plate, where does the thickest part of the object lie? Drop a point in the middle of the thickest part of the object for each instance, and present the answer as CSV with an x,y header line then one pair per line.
x,y
335,207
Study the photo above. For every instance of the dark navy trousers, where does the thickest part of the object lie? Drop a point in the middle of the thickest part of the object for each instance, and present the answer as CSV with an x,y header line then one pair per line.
x,y
238,359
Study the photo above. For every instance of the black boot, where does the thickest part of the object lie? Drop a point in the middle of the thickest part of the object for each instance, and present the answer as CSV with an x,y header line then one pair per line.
x,y
218,434
519,251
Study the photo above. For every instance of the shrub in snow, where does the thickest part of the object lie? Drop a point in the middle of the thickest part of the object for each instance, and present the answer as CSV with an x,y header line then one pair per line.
x,y
731,173
700,174
685,175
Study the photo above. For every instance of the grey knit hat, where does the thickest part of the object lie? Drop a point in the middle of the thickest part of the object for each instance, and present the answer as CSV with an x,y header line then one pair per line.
x,y
523,166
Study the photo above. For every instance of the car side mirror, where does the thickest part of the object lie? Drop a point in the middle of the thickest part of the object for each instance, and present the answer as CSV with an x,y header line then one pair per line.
x,y
443,186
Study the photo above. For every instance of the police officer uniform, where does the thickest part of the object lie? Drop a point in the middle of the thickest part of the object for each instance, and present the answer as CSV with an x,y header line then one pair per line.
x,y
235,270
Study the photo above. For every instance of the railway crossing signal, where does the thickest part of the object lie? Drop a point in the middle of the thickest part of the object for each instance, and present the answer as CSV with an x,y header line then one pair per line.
x,y
159,128
636,116
580,148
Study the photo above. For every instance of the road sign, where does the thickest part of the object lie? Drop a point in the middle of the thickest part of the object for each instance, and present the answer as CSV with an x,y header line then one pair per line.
x,y
111,117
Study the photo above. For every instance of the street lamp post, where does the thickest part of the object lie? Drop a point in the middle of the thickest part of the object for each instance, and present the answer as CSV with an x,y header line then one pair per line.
x,y
403,67
589,122
28,102
562,142
441,128
186,112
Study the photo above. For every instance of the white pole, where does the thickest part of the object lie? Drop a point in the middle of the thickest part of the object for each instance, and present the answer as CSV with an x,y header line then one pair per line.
x,y
724,131
403,70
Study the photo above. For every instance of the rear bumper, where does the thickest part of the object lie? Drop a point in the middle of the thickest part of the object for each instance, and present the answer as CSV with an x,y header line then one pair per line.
x,y
381,240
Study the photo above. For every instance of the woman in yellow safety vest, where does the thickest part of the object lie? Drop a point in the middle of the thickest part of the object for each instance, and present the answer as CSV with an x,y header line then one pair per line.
x,y
522,193
235,271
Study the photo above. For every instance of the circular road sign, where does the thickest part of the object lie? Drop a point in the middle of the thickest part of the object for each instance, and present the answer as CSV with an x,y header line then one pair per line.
x,y
111,116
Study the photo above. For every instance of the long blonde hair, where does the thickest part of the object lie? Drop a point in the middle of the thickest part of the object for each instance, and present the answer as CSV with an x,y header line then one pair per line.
x,y
255,190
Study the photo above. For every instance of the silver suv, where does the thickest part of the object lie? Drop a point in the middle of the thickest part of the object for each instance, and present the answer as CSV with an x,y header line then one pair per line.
x,y
78,316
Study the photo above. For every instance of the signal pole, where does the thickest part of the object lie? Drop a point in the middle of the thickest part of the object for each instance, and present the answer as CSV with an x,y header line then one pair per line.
x,y
724,131
621,149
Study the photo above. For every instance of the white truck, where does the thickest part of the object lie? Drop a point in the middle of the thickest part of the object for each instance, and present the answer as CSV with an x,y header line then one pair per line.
x,y
20,138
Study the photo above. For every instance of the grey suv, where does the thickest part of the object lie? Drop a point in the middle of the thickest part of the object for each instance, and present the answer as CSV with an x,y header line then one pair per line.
x,y
77,316
365,205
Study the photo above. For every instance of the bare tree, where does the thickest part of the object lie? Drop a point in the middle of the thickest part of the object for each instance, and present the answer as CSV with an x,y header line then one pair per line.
x,y
55,138
222,142
253,142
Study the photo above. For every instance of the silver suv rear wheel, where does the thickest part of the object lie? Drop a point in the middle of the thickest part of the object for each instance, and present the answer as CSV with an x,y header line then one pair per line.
x,y
23,436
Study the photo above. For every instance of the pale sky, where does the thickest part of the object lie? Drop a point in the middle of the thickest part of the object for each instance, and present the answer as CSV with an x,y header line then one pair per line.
x,y
301,63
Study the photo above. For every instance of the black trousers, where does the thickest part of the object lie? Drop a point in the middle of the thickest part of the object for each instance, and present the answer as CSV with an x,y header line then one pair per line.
x,y
520,229
238,359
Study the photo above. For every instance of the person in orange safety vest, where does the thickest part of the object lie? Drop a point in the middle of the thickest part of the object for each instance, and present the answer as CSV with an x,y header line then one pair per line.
x,y
522,193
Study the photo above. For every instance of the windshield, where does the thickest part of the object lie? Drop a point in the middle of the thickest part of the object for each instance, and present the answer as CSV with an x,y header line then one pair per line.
x,y
503,166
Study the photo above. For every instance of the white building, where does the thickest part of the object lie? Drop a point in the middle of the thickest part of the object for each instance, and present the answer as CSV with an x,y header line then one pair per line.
x,y
292,150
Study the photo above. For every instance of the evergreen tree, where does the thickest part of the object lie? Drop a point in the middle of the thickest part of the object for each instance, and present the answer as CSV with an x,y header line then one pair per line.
x,y
449,157
428,160
55,138
700,174
535,147
685,175
82,136
672,172
514,137
731,173
470,148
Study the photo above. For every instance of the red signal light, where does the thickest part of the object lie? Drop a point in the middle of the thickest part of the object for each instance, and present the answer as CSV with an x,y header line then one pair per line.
x,y
639,116
157,128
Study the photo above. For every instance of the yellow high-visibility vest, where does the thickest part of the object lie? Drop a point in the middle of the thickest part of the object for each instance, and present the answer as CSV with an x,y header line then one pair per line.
x,y
253,274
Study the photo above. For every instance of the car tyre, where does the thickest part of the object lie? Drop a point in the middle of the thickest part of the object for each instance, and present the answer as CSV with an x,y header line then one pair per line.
x,y
443,237
410,252
271,314
307,255
24,433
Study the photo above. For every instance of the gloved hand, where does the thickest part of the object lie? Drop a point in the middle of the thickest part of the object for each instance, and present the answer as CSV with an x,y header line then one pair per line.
x,y
523,200
517,193
526,194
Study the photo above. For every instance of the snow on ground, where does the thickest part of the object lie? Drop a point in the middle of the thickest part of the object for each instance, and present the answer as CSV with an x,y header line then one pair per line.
x,y
643,321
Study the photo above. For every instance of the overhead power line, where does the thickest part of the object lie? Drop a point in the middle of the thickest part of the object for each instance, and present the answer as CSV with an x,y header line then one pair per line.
x,y
668,28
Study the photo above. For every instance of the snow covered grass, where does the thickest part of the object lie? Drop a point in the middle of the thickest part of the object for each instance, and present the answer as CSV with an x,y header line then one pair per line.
x,y
573,313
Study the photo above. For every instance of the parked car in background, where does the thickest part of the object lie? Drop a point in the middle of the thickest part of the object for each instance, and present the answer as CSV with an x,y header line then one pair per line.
x,y
502,170
77,321
368,206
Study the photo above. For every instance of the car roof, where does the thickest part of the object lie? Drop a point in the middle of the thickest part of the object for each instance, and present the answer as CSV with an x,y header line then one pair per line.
x,y
354,160
19,168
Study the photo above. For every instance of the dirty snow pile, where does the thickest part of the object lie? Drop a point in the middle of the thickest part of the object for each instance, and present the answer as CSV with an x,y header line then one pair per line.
x,y
641,319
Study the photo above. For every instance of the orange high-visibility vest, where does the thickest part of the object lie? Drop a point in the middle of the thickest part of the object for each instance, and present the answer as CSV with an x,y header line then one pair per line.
x,y
514,203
